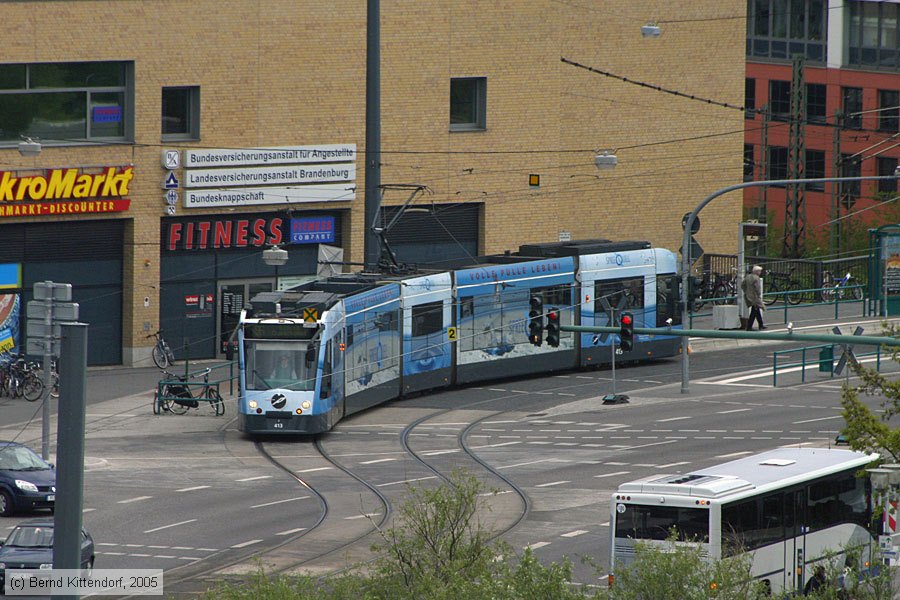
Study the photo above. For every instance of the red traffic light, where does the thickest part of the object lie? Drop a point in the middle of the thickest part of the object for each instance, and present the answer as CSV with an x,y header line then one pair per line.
x,y
626,319
553,315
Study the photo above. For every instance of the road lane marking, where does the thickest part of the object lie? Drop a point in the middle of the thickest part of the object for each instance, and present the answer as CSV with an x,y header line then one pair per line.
x,y
138,499
651,444
191,489
551,483
365,516
290,531
674,464
819,419
314,470
258,477
613,474
168,526
575,533
278,502
247,543
406,481
532,462
672,419
733,454
537,545
377,460
737,410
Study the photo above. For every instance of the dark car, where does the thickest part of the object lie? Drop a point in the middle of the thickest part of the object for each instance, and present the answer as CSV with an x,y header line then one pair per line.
x,y
30,546
26,480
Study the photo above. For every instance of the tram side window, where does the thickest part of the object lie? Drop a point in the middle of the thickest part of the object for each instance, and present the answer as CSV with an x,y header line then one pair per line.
x,y
838,499
752,524
657,523
427,318
667,300
622,294
466,335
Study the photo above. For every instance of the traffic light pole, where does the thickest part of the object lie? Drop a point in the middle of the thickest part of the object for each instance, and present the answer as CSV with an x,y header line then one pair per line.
x,y
686,261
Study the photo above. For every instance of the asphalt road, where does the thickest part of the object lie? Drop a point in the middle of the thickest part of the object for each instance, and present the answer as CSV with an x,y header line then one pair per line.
x,y
191,495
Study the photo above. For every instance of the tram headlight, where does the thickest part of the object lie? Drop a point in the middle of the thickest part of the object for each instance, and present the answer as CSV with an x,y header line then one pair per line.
x,y
305,404
252,404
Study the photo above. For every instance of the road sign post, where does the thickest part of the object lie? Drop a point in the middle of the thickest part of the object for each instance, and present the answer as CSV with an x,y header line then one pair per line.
x,y
51,306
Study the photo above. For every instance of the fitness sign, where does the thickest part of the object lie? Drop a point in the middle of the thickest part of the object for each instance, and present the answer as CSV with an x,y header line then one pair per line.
x,y
68,191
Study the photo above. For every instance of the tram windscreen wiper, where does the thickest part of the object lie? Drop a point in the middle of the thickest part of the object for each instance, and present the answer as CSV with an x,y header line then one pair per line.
x,y
260,377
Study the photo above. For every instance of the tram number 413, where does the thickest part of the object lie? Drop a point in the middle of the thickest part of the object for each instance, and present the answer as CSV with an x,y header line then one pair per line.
x,y
278,425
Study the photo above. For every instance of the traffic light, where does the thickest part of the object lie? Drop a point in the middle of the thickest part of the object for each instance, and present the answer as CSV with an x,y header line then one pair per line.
x,y
553,327
536,321
695,289
626,331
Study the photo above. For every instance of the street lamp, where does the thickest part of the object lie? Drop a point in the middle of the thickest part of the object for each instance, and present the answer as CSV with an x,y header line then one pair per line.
x,y
275,256
688,224
29,147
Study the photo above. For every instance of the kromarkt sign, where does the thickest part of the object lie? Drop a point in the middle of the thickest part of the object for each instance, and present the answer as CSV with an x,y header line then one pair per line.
x,y
64,192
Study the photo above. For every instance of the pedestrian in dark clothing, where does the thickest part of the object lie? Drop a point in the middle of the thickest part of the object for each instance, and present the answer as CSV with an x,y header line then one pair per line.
x,y
816,582
752,288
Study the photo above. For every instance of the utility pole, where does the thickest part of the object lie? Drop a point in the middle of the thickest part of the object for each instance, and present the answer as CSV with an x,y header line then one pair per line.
x,y
795,209
373,133
762,209
834,245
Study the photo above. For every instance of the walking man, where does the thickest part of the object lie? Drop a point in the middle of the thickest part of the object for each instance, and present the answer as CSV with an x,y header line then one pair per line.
x,y
752,288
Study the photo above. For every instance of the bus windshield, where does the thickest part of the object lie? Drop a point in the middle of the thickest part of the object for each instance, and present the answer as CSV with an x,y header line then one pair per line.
x,y
286,365
657,522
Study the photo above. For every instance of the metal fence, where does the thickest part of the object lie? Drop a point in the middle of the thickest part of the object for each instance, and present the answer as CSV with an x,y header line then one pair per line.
x,y
810,273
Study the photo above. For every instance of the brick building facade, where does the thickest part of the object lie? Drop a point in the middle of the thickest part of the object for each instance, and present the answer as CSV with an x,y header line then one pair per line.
x,y
474,99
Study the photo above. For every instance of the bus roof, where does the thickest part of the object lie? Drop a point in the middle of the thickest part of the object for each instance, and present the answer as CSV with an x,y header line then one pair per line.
x,y
752,474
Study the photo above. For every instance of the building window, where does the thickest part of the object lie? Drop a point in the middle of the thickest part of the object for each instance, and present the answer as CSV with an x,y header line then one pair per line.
x,y
815,102
873,35
851,105
815,169
778,163
748,162
66,102
888,110
749,98
181,113
781,29
780,100
849,190
886,167
468,104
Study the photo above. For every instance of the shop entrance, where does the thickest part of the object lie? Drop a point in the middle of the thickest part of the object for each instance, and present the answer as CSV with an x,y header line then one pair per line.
x,y
233,297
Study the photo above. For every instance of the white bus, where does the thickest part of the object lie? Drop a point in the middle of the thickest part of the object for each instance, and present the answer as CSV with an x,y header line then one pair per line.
x,y
787,507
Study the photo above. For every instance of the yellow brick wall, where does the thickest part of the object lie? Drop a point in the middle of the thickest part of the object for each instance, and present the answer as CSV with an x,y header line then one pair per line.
x,y
292,72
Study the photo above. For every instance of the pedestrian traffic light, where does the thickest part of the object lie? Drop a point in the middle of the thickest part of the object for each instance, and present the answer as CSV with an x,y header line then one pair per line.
x,y
536,321
553,327
626,331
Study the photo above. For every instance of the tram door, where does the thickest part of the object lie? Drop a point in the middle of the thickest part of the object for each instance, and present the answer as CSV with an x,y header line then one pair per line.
x,y
233,298
795,573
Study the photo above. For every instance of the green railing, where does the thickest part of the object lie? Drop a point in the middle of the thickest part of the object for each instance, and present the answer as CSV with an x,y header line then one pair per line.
x,y
202,378
837,300
824,360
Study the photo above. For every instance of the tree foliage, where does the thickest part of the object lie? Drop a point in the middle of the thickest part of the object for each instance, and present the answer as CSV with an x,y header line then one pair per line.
x,y
865,431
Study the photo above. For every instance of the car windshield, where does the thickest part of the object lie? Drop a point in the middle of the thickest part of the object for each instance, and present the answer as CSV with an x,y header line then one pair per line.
x,y
20,458
31,536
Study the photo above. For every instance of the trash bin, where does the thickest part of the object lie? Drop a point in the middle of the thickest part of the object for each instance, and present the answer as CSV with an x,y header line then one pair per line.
x,y
726,317
826,359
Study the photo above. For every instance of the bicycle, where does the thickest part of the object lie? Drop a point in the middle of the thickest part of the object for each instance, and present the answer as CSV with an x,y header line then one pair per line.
x,y
784,285
21,378
162,355
725,290
177,398
840,286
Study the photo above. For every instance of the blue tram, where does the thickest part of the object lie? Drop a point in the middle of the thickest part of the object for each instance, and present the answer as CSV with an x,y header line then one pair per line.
x,y
310,355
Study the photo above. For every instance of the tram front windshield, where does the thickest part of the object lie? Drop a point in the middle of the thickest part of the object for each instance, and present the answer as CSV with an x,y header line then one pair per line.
x,y
286,365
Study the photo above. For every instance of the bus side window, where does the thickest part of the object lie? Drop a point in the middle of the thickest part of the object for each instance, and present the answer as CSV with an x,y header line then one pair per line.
x,y
326,372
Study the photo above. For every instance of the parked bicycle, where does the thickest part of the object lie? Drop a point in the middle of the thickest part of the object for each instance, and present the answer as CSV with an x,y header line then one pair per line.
x,y
162,354
176,394
725,289
20,378
842,288
782,286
